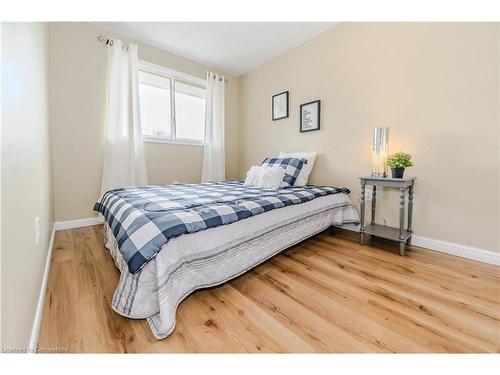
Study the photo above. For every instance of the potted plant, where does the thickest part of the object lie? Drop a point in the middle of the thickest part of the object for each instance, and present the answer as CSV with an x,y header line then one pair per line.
x,y
398,162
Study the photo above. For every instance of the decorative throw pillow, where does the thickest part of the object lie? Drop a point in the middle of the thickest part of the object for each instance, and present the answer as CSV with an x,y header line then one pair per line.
x,y
265,177
252,175
270,177
306,170
292,167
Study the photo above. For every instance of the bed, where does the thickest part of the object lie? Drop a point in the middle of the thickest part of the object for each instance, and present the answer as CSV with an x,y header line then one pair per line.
x,y
257,224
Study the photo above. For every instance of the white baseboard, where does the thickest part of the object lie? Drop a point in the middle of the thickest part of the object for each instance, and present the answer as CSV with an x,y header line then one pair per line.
x,y
463,251
62,225
35,330
469,252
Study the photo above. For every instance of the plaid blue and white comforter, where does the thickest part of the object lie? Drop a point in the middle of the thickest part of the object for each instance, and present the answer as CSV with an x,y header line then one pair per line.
x,y
144,219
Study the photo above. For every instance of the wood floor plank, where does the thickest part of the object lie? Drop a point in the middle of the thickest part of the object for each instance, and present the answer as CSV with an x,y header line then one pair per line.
x,y
251,327
302,318
408,279
325,294
359,292
344,316
405,290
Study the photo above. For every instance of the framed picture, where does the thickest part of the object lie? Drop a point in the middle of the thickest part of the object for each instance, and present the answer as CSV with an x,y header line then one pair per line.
x,y
310,114
280,106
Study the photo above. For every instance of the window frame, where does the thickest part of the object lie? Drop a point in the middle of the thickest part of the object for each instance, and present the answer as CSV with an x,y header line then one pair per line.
x,y
174,76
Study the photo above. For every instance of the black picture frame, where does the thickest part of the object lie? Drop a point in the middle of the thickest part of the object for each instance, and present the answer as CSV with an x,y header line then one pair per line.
x,y
287,96
318,119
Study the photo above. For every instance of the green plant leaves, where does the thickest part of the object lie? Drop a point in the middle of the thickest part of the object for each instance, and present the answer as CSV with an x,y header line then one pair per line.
x,y
399,160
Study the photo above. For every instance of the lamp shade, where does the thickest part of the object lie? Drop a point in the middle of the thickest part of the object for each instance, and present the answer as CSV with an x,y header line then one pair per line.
x,y
380,152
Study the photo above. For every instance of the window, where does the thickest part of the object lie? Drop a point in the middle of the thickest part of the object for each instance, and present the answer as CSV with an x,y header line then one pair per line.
x,y
190,111
172,105
155,98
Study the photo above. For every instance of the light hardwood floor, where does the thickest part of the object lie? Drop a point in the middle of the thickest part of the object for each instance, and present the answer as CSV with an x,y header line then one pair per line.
x,y
326,294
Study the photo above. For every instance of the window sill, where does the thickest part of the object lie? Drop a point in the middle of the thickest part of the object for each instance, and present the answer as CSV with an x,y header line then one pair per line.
x,y
174,141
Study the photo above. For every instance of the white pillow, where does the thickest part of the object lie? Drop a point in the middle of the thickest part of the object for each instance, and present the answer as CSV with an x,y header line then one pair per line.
x,y
252,175
271,177
265,177
306,170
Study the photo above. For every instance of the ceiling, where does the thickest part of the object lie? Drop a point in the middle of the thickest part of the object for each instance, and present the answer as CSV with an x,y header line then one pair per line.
x,y
235,47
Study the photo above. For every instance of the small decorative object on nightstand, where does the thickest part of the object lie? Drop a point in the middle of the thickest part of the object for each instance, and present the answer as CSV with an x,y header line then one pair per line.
x,y
396,234
379,152
398,162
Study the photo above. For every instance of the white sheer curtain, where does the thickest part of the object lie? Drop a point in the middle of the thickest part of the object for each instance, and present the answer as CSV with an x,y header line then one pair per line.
x,y
213,151
124,163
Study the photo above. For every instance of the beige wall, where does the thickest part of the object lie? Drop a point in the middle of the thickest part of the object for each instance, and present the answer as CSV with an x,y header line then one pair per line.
x,y
78,105
26,175
436,85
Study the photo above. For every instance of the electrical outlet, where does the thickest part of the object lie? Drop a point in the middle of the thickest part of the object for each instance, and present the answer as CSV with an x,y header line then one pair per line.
x,y
175,182
38,232
368,194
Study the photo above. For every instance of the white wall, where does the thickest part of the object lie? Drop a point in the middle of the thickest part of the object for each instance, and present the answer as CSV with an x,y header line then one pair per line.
x,y
26,175
436,85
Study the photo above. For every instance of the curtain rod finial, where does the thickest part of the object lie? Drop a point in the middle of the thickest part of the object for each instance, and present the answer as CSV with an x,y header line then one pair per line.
x,y
108,41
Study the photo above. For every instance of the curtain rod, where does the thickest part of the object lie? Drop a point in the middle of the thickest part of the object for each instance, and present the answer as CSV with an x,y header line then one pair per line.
x,y
109,42
220,79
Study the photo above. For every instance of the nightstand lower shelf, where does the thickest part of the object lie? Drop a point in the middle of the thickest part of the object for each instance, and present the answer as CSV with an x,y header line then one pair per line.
x,y
390,233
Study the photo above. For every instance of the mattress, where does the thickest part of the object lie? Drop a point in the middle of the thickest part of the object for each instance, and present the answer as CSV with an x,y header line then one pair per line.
x,y
214,256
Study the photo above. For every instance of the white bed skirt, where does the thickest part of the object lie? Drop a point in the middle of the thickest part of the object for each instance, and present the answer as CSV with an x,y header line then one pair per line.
x,y
214,256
